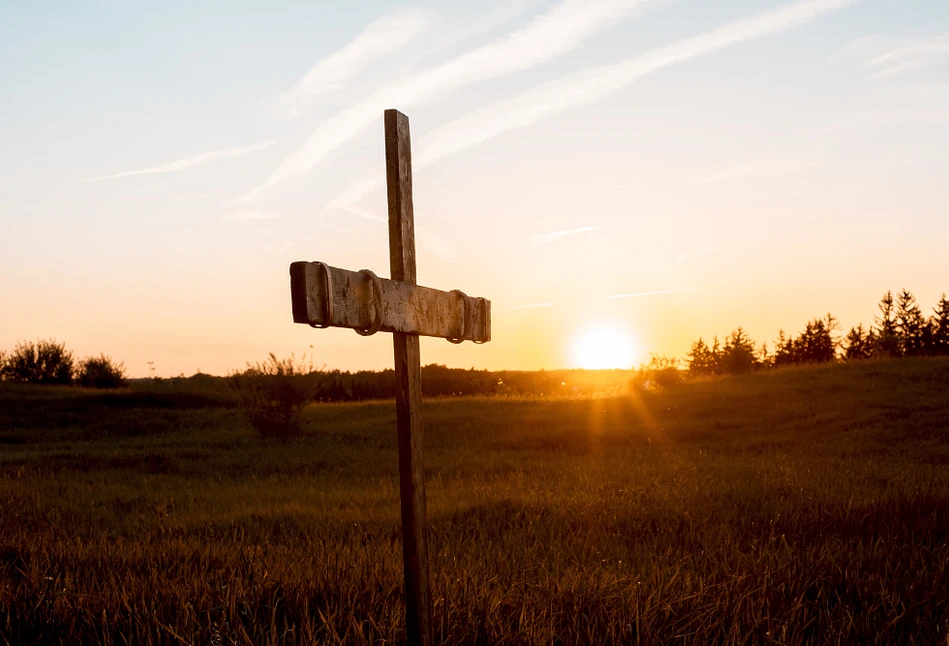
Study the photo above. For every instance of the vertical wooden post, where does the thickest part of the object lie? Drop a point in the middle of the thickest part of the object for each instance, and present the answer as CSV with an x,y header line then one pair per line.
x,y
408,397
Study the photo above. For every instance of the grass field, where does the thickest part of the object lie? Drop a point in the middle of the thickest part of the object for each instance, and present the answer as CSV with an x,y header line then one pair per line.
x,y
797,506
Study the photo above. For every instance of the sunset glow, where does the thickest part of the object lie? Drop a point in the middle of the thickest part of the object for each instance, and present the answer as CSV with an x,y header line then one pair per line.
x,y
648,299
603,346
678,169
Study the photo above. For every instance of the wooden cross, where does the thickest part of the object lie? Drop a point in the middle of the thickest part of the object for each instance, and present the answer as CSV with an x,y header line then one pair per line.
x,y
324,296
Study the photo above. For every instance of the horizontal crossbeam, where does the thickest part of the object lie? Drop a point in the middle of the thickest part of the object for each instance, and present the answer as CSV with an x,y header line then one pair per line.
x,y
325,296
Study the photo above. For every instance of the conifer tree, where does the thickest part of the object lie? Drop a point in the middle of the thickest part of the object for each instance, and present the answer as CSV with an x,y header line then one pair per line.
x,y
816,343
702,361
764,357
911,325
858,344
939,324
783,350
738,354
886,333
833,330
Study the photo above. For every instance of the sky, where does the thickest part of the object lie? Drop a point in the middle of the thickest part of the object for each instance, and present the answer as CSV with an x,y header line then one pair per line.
x,y
644,171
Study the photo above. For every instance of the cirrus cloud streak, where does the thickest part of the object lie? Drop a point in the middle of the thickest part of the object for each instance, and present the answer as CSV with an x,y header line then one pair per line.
x,y
560,30
589,86
383,36
187,163
594,84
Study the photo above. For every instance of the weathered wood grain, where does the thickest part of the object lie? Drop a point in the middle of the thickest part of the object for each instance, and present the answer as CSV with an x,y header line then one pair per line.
x,y
397,307
408,394
399,194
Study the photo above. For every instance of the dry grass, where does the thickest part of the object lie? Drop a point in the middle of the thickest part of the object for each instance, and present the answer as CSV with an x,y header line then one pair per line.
x,y
803,506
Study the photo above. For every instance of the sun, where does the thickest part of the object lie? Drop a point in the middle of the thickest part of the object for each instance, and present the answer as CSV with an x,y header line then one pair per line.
x,y
603,346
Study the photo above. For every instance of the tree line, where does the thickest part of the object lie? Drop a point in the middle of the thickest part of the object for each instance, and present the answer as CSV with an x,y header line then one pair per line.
x,y
441,381
900,329
49,362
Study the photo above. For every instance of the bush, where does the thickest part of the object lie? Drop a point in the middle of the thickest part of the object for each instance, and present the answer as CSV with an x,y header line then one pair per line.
x,y
660,373
43,362
273,393
101,372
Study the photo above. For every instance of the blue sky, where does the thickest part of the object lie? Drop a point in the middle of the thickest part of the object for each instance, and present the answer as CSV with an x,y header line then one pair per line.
x,y
670,168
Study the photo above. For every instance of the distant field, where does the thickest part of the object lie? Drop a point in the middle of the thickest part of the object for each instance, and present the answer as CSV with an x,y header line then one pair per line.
x,y
797,506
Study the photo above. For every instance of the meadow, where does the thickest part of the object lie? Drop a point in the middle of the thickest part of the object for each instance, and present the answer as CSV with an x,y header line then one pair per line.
x,y
797,506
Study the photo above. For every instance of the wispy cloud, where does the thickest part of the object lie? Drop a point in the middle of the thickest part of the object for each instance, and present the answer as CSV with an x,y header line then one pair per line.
x,y
188,162
635,183
546,238
358,189
735,172
854,47
749,170
893,57
658,292
252,214
427,239
586,87
594,84
366,215
384,36
528,306
560,30
880,118
449,34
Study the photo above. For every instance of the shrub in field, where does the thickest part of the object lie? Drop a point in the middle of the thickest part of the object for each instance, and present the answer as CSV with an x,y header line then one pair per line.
x,y
661,372
101,372
272,394
43,362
